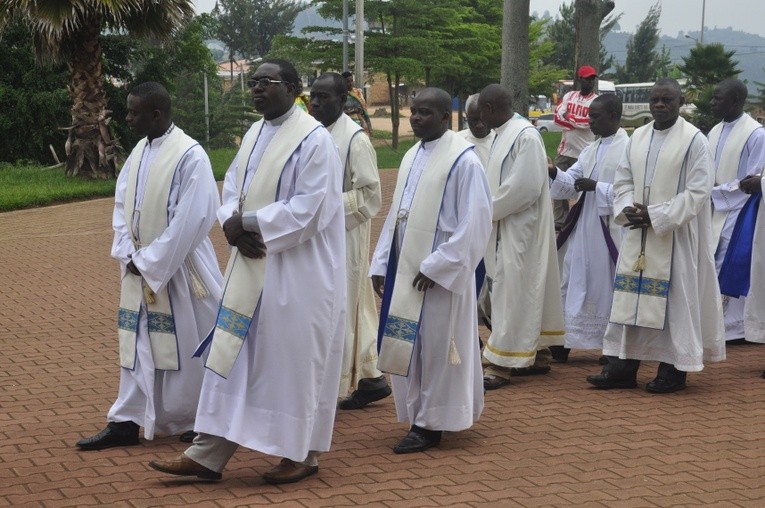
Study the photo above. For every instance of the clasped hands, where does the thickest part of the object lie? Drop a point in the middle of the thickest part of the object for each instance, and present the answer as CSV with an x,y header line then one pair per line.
x,y
249,243
637,216
421,282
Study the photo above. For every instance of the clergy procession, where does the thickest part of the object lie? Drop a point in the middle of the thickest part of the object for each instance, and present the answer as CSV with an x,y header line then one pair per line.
x,y
660,258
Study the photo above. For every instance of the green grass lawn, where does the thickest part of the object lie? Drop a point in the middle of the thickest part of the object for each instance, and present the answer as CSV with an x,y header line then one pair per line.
x,y
28,186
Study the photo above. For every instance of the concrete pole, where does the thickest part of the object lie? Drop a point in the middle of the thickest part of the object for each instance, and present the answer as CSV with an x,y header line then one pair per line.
x,y
360,45
345,35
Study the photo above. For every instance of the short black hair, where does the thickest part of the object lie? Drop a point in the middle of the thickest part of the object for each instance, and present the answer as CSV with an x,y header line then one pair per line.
x,y
347,74
154,94
737,88
338,83
671,83
287,72
440,98
611,103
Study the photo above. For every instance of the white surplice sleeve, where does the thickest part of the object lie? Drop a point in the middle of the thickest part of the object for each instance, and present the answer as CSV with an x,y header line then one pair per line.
x,y
522,187
122,245
230,193
310,192
191,216
467,199
363,200
727,196
563,185
624,187
681,209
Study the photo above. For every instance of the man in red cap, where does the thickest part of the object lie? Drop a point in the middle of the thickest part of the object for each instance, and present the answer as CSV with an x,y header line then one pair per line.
x,y
572,114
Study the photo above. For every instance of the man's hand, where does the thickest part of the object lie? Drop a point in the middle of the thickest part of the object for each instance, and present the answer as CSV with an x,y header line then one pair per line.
x,y
637,216
422,282
752,184
133,269
233,228
552,171
585,185
378,284
251,245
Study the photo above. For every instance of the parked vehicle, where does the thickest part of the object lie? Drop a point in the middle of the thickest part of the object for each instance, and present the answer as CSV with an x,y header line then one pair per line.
x,y
545,123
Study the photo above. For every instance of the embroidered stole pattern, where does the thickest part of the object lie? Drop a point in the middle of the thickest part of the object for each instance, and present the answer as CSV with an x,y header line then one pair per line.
x,y
641,288
152,222
244,276
403,317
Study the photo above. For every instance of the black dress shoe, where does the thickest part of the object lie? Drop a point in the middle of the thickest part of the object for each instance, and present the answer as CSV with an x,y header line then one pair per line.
x,y
115,434
660,385
529,371
560,353
187,437
418,440
603,360
606,380
370,390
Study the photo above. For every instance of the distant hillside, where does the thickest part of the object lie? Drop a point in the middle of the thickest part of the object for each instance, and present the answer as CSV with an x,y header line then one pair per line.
x,y
750,49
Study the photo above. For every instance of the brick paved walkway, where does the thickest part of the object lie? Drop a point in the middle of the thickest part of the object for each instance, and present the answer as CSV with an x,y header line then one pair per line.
x,y
544,441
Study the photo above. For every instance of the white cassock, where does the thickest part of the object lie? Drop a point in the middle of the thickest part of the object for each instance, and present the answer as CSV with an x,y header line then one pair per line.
x,y
728,198
281,393
437,395
693,329
482,145
362,200
165,402
526,309
587,271
754,309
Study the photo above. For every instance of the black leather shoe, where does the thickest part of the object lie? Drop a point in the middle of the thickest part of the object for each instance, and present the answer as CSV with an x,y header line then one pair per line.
x,y
660,385
560,353
529,371
603,360
370,390
115,434
418,440
187,437
606,381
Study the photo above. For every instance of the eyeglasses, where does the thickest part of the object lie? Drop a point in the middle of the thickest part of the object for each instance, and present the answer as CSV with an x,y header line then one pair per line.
x,y
262,82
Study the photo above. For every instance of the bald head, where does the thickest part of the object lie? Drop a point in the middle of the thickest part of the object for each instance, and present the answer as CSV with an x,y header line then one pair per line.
x,y
728,99
496,105
431,110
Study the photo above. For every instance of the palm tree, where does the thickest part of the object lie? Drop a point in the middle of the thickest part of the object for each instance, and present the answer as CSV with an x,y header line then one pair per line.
x,y
69,31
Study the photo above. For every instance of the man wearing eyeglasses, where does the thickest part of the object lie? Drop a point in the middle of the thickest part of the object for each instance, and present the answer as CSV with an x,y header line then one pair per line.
x,y
274,357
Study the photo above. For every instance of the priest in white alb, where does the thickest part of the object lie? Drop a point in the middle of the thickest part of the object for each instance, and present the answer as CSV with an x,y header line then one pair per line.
x,y
521,258
589,241
738,148
666,304
164,208
273,365
362,200
423,267
477,132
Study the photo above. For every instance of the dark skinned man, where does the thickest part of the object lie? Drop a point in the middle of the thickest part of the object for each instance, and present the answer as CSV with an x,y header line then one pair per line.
x,y
521,258
164,208
362,200
588,243
274,357
423,267
738,149
666,304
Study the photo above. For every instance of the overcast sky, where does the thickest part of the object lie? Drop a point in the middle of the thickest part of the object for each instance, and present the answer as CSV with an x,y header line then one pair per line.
x,y
676,15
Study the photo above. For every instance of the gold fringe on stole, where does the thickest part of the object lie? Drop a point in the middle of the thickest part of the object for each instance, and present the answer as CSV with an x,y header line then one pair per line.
x,y
197,286
148,294
454,355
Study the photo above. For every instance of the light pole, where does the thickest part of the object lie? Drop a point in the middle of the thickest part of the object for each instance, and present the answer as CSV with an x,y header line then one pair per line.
x,y
360,45
694,39
703,10
345,35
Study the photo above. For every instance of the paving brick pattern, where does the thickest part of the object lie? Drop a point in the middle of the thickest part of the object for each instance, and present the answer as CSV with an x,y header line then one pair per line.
x,y
543,441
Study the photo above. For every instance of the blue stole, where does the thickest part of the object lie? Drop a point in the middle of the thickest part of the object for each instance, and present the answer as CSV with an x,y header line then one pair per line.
x,y
736,266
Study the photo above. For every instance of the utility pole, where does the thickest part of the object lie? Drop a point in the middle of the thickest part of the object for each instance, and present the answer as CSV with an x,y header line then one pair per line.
x,y
345,35
360,45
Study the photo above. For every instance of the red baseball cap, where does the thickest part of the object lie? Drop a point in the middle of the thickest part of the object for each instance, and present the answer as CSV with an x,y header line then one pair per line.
x,y
585,71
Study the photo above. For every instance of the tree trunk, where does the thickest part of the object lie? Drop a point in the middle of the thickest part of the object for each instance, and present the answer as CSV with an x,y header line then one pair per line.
x,y
90,149
515,53
394,118
588,16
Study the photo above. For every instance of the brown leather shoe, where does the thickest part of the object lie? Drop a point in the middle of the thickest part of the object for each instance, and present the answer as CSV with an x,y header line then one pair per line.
x,y
289,471
184,466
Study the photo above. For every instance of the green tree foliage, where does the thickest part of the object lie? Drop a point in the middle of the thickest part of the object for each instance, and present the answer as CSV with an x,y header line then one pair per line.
x,y
561,32
248,27
34,103
705,66
643,60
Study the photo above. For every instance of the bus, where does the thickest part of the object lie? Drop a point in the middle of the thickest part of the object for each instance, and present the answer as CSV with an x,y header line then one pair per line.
x,y
635,97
